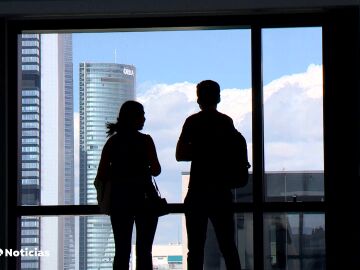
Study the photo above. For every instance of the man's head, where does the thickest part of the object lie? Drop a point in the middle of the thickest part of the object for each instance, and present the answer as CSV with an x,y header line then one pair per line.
x,y
208,93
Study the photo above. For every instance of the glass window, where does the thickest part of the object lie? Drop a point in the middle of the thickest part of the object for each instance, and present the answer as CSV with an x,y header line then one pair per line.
x,y
66,100
293,114
294,241
75,97
61,246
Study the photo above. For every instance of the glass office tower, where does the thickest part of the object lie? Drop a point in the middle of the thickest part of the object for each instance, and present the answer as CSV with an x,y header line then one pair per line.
x,y
104,87
57,149
30,144
47,147
69,194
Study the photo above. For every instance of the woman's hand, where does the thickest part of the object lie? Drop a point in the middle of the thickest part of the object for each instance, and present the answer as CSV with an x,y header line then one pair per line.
x,y
155,168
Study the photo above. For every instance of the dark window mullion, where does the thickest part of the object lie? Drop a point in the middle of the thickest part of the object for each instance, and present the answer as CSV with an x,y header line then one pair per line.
x,y
13,112
258,146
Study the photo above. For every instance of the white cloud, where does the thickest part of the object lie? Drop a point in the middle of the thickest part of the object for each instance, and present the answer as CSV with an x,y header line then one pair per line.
x,y
295,156
293,129
237,104
293,118
293,123
166,104
310,81
166,107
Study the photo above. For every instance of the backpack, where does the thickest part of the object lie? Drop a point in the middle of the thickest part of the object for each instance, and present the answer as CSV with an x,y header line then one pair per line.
x,y
237,172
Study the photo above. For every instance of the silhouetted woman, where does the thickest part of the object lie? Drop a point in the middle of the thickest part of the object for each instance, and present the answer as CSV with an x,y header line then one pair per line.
x,y
130,157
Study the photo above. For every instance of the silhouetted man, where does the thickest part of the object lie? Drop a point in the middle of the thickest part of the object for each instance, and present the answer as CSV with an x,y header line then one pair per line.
x,y
203,141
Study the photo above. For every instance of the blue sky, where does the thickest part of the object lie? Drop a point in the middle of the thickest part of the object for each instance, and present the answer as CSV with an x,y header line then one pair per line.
x,y
179,56
290,50
170,57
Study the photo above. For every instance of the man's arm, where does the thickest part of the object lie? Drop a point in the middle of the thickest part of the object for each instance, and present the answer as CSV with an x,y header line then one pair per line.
x,y
183,151
184,147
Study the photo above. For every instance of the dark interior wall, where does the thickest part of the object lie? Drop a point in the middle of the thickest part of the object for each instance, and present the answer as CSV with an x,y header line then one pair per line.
x,y
3,164
341,101
341,138
157,7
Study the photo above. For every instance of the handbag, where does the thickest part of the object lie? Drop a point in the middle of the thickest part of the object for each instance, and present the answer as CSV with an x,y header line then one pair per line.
x,y
154,202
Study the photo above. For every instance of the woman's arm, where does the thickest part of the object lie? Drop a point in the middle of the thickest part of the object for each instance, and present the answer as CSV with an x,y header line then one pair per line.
x,y
155,168
104,164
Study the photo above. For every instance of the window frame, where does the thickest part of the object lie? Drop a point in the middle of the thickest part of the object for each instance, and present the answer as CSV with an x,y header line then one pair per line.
x,y
258,207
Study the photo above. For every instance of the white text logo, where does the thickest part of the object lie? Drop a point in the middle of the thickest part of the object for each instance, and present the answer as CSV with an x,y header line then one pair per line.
x,y
128,71
24,253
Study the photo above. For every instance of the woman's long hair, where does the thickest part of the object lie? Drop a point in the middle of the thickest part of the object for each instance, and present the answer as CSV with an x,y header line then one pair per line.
x,y
129,111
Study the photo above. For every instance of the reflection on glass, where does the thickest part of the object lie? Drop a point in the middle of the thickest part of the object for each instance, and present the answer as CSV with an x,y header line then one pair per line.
x,y
293,114
213,259
295,186
294,241
244,240
244,194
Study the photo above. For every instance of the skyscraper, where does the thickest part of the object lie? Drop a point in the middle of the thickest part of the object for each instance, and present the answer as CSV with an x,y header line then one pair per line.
x,y
69,194
47,150
57,148
30,144
104,87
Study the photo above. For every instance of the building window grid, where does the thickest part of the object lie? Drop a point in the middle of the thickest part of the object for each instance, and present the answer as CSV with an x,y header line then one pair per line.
x,y
31,36
29,133
31,67
30,165
30,117
32,52
26,181
30,101
33,125
30,43
30,59
30,93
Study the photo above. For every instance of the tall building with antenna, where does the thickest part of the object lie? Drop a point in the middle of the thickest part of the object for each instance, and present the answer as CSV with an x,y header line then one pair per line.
x,y
104,87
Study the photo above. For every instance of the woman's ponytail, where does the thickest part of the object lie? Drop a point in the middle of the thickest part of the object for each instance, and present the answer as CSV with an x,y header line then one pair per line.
x,y
111,128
